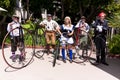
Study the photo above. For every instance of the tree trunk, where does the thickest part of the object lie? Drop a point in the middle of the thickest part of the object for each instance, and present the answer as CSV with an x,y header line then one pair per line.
x,y
28,15
3,20
93,12
80,7
62,3
2,29
112,33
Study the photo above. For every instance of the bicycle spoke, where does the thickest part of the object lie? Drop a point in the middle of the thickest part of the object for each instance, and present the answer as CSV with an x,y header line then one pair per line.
x,y
23,48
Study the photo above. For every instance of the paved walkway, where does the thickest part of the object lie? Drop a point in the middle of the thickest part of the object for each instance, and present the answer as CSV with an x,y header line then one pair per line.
x,y
41,69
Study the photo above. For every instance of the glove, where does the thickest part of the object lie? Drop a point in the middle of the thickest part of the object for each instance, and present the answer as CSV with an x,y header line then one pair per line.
x,y
105,28
99,28
62,36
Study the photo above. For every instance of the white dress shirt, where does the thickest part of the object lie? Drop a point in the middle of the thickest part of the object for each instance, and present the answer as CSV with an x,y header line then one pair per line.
x,y
11,26
50,25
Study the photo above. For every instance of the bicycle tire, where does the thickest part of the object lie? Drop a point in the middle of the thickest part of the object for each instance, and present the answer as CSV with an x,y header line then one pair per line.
x,y
28,56
56,54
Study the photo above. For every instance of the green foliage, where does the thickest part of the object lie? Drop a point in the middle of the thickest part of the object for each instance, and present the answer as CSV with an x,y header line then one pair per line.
x,y
114,45
29,25
114,13
114,21
39,38
113,7
8,5
28,38
4,3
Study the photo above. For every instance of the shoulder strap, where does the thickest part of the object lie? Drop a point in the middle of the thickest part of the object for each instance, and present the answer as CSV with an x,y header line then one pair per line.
x,y
62,28
73,27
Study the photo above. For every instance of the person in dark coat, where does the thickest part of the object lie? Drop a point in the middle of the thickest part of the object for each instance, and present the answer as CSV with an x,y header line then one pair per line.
x,y
100,32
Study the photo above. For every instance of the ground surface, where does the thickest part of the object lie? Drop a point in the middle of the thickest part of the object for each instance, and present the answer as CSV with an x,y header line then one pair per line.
x,y
41,69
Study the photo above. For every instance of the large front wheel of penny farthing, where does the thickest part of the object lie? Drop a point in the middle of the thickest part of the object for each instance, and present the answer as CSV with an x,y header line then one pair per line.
x,y
84,48
24,46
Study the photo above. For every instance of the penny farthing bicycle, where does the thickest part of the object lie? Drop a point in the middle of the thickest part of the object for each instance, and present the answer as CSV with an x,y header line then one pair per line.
x,y
84,51
24,48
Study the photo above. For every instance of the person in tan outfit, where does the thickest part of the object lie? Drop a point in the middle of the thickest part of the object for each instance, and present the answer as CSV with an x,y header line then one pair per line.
x,y
50,30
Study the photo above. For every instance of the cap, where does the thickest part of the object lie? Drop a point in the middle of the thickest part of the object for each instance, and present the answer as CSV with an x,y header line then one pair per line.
x,y
49,15
15,16
102,14
83,17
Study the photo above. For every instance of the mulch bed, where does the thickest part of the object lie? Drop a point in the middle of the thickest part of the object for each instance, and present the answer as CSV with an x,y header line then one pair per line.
x,y
114,56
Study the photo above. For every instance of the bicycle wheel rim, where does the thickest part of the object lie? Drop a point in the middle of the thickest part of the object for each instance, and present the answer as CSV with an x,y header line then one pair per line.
x,y
6,57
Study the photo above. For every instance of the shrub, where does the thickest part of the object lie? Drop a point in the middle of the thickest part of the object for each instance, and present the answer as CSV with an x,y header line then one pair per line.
x,y
114,44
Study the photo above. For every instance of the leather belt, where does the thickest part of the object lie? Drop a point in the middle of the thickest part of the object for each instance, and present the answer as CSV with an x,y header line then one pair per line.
x,y
50,31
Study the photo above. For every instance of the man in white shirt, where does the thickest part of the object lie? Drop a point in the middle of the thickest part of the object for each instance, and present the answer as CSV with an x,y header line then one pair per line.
x,y
14,35
50,29
82,24
82,29
12,25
